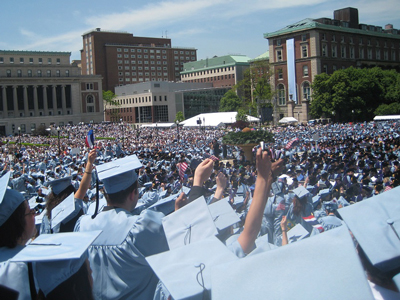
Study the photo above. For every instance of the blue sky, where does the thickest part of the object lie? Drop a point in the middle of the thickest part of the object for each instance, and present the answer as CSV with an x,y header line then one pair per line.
x,y
214,27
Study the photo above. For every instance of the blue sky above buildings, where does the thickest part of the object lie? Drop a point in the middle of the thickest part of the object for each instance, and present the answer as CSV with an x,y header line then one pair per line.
x,y
214,27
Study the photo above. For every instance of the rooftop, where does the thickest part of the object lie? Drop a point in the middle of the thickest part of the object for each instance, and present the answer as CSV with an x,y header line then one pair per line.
x,y
23,52
215,62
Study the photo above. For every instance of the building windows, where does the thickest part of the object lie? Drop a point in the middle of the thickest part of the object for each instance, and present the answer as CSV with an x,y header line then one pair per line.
x,y
334,51
40,60
304,52
304,37
333,38
126,50
58,61
334,68
21,60
11,60
385,55
323,36
305,71
8,73
19,73
369,53
66,73
306,91
393,55
89,86
361,53
352,52
29,73
39,73
1,60
343,51
58,73
342,38
351,40
279,42
279,55
360,41
281,95
48,72
49,60
324,50
378,54
119,50
325,69
119,55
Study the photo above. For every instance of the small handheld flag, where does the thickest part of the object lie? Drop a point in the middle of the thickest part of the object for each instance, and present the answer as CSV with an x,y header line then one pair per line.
x,y
90,139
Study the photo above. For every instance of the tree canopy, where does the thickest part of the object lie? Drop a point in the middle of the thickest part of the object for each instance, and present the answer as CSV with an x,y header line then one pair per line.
x,y
179,117
354,94
230,102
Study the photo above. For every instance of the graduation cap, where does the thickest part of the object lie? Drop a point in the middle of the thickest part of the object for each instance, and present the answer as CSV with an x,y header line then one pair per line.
x,y
64,211
119,174
185,271
256,277
191,223
375,223
59,185
57,256
297,233
9,199
301,192
223,214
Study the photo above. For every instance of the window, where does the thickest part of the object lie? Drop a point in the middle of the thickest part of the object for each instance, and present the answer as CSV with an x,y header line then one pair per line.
x,y
89,86
351,40
278,42
280,74
31,60
281,95
360,41
342,38
325,69
343,51
21,60
1,60
58,61
19,73
324,50
279,55
304,37
58,73
378,54
306,91
361,53
393,55
49,60
369,53
11,60
39,73
323,36
334,51
304,52
119,49
333,38
385,55
48,73
305,70
352,52
8,73
29,73
66,73
40,60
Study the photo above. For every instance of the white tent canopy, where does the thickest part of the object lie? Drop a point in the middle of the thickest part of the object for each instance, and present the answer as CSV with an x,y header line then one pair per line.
x,y
160,125
288,120
387,117
214,119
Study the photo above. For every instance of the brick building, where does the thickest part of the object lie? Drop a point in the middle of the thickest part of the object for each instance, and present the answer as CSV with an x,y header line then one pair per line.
x,y
44,88
122,58
302,50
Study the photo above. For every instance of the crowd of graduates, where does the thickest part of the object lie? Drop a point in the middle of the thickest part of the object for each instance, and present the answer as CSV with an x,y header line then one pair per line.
x,y
146,205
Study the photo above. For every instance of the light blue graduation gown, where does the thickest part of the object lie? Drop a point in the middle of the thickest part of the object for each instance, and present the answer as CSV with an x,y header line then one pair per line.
x,y
117,256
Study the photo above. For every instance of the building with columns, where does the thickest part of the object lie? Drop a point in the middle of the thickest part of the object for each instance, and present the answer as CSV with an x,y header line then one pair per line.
x,y
300,51
44,88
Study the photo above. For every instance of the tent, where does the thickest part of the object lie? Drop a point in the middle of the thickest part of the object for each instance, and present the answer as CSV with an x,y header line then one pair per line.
x,y
160,125
288,120
214,119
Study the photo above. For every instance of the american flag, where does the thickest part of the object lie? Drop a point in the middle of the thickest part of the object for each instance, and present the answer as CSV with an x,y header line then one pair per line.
x,y
90,139
182,168
314,223
212,157
291,143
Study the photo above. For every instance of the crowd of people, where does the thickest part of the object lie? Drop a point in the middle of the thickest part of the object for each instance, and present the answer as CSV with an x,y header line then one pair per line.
x,y
153,192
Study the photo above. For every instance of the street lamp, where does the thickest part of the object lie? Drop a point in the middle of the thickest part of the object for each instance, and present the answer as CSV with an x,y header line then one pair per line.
x,y
352,114
68,131
19,137
177,128
259,122
58,137
204,123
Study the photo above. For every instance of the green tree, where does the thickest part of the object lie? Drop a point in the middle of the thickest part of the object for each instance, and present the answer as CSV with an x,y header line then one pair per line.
x,y
353,94
241,115
230,102
388,109
179,117
109,100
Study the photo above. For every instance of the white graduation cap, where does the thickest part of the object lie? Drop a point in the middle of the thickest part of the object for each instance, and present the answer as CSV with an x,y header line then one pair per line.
x,y
297,233
57,256
223,214
9,199
375,223
119,174
58,185
185,271
191,223
287,272
63,210
165,205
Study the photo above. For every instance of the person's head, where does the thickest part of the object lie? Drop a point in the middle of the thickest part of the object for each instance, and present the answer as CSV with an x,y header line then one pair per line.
x,y
17,222
54,199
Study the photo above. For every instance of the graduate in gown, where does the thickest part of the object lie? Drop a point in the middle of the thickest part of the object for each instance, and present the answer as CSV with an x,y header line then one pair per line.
x,y
117,257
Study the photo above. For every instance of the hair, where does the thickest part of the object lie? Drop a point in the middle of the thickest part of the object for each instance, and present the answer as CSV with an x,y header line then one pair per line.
x,y
53,200
120,197
76,287
13,229
299,205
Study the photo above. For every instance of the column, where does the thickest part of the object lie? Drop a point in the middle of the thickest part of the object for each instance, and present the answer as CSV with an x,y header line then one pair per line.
x,y
290,107
16,114
63,100
5,106
46,109
26,106
305,109
55,111
35,101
